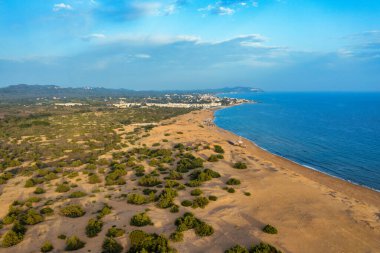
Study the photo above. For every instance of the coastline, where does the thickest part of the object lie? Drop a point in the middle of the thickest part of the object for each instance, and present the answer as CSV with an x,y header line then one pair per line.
x,y
312,211
352,189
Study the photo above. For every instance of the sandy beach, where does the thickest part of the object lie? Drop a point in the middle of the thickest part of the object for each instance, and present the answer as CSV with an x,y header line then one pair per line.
x,y
313,212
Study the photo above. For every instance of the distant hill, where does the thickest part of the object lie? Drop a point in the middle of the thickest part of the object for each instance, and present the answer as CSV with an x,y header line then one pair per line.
x,y
25,91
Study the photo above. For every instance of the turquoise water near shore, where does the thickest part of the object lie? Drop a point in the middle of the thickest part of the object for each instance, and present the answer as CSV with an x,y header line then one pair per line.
x,y
335,133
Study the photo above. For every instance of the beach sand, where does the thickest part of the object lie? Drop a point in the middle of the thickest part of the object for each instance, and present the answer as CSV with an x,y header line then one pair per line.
x,y
313,212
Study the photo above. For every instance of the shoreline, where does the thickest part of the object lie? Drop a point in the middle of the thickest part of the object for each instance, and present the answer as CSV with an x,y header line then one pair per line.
x,y
372,196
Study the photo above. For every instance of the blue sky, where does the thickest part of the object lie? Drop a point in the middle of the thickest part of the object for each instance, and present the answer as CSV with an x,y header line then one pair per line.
x,y
272,44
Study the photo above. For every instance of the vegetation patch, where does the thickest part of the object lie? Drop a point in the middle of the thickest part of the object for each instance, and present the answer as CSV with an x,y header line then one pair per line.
x,y
144,242
269,229
73,211
140,220
74,243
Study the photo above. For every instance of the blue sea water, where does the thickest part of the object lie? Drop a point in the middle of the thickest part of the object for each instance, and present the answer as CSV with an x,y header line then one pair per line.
x,y
335,133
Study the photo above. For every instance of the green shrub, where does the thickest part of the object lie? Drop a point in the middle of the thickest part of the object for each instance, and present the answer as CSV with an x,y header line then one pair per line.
x,y
62,188
189,221
218,149
176,236
73,211
39,190
166,198
174,209
62,237
11,238
77,194
143,242
231,190
29,183
148,191
47,211
237,249
104,211
94,226
110,245
47,247
31,217
270,229
240,165
115,232
212,198
140,220
213,158
188,163
264,248
137,199
201,202
233,181
186,203
149,181
202,229
247,193
74,243
94,179
196,192
174,175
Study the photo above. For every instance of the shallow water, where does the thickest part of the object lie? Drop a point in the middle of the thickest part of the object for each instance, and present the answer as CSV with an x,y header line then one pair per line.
x,y
336,133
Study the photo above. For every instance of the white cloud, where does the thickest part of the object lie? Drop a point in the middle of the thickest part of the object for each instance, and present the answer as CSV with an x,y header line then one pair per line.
x,y
93,36
225,11
143,56
62,6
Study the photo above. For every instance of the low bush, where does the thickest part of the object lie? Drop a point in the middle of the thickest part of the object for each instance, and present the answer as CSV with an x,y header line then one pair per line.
x,y
77,194
137,199
189,221
218,149
94,226
11,238
31,217
196,192
237,249
166,198
186,203
144,242
201,202
212,198
239,166
264,248
213,158
176,236
203,229
47,247
247,193
174,209
233,181
73,211
230,190
149,181
62,188
94,179
140,220
115,232
270,229
110,245
47,211
39,190
74,243
62,237
106,209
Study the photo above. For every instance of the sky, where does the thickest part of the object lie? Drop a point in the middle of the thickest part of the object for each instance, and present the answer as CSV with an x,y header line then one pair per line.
x,y
276,45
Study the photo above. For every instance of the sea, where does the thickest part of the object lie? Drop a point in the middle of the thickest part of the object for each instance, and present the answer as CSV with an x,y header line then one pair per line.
x,y
334,133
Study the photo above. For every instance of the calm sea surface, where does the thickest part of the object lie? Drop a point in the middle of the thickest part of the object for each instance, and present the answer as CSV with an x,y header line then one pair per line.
x,y
336,133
